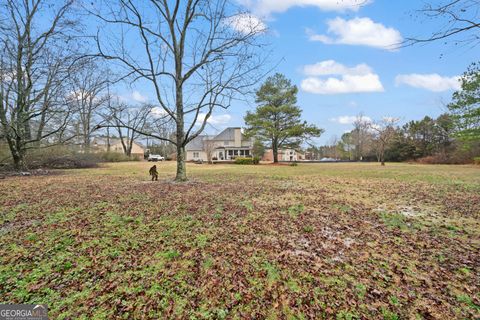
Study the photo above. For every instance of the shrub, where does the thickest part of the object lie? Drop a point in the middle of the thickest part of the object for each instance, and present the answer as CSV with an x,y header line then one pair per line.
x,y
60,157
476,160
243,161
116,157
66,157
256,160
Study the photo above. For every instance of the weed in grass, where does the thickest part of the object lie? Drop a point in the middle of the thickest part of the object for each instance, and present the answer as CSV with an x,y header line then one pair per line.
x,y
343,208
361,290
464,271
394,301
170,254
273,274
293,286
248,205
464,298
389,315
295,210
394,220
308,229
201,240
346,315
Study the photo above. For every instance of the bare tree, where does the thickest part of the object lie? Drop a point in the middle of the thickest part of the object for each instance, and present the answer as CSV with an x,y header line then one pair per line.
x,y
360,136
36,46
384,131
459,21
129,122
209,147
88,85
196,55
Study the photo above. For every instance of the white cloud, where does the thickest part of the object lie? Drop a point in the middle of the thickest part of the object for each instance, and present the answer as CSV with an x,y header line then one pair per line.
x,y
359,31
246,23
350,119
433,82
221,119
349,79
267,7
137,96
331,67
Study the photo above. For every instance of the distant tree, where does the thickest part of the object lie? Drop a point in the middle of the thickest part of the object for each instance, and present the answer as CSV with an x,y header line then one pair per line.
x,y
360,136
345,146
88,95
277,119
209,147
385,131
258,149
465,105
129,121
314,151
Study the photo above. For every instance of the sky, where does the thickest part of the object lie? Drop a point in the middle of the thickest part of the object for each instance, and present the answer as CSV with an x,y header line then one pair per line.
x,y
344,59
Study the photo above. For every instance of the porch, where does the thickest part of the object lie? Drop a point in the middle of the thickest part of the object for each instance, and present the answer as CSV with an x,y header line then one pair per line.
x,y
229,154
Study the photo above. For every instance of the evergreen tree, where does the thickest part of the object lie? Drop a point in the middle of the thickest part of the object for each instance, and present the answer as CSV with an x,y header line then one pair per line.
x,y
465,105
277,119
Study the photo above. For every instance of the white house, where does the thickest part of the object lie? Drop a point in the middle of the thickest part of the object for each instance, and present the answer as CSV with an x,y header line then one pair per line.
x,y
227,145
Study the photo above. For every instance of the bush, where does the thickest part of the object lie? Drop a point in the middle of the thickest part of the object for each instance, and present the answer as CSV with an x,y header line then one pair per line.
x,y
244,161
256,160
116,157
476,160
458,157
60,157
65,157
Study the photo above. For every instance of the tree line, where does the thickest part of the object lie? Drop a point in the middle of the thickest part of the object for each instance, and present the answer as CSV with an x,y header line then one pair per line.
x,y
453,137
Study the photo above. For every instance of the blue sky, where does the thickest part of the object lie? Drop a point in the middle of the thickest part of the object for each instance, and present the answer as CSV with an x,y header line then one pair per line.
x,y
340,56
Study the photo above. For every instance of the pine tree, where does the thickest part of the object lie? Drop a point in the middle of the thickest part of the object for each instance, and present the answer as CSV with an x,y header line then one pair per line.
x,y
277,119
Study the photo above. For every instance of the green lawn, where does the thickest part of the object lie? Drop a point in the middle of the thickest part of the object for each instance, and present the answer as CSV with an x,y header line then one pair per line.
x,y
341,241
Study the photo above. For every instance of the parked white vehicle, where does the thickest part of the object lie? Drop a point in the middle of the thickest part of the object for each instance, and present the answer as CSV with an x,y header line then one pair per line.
x,y
155,157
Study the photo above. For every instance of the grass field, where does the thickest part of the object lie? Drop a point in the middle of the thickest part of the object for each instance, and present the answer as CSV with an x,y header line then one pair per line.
x,y
341,241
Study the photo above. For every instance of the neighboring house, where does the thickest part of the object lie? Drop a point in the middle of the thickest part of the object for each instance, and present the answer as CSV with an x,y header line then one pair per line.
x,y
227,145
284,155
100,144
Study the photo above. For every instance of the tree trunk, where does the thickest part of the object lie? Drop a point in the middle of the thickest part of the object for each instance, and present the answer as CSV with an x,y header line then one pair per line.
x,y
181,166
275,152
18,160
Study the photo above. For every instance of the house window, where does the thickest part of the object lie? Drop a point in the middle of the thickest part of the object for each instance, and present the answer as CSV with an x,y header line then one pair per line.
x,y
242,153
230,152
235,152
247,152
196,155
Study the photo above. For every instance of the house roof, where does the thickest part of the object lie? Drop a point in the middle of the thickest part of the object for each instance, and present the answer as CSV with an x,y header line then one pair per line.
x,y
197,143
227,134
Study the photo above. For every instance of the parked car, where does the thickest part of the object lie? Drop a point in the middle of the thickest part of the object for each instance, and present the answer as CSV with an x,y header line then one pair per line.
x,y
155,157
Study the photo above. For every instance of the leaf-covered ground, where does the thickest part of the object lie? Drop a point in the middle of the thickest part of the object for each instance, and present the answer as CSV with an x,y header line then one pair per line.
x,y
341,241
